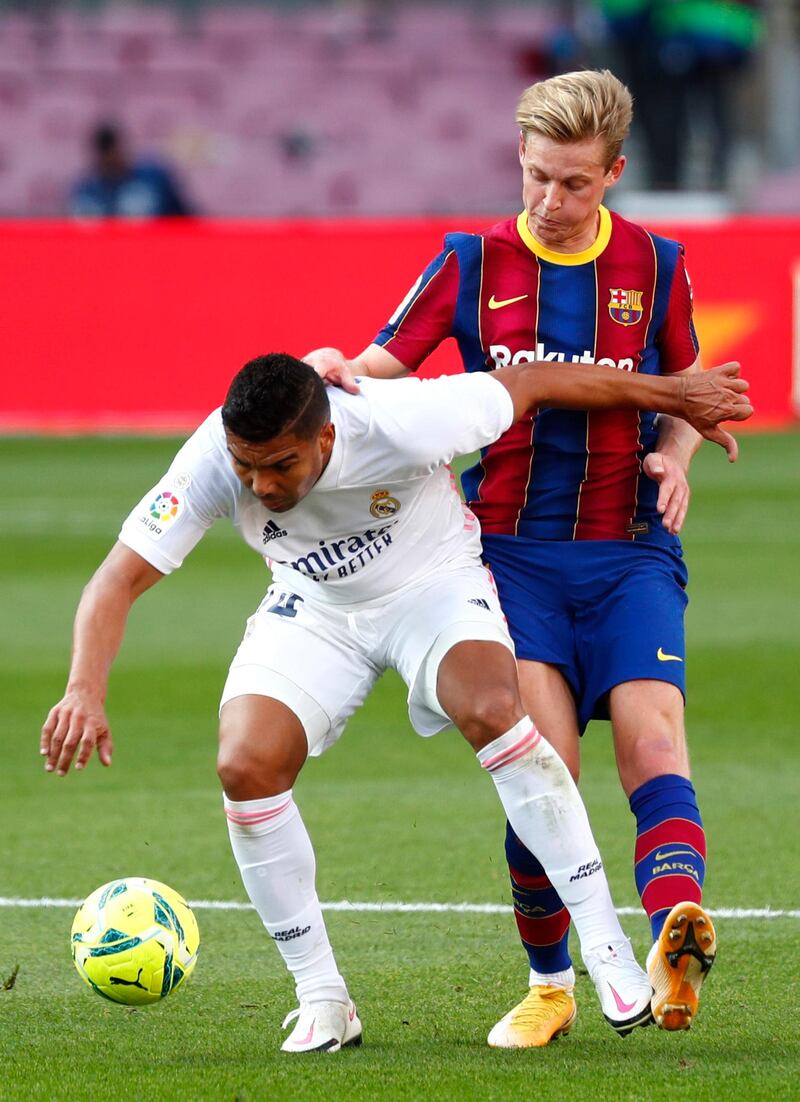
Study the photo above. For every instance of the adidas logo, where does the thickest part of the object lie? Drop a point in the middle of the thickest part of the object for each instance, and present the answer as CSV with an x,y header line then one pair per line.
x,y
272,532
290,935
479,601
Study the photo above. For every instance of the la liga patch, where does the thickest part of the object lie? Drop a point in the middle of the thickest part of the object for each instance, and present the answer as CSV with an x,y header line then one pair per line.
x,y
163,510
166,506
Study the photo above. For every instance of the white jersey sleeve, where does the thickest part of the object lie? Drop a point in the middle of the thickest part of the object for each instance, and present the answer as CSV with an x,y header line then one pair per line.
x,y
417,425
199,487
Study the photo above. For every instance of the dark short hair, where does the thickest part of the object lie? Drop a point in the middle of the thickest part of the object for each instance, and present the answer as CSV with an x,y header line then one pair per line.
x,y
273,395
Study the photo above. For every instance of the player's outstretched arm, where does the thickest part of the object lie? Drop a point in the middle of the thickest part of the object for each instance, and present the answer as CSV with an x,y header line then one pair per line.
x,y
78,724
704,400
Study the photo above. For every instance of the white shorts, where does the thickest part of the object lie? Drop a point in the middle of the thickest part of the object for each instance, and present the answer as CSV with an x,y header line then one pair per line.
x,y
321,661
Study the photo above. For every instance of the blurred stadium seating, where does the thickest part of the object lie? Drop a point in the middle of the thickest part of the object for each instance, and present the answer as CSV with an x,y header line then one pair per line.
x,y
275,111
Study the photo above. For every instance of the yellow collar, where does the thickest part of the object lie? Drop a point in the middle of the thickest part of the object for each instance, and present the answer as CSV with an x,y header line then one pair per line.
x,y
568,259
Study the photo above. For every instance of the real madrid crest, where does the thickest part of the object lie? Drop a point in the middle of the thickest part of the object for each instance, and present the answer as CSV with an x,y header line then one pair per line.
x,y
625,307
384,505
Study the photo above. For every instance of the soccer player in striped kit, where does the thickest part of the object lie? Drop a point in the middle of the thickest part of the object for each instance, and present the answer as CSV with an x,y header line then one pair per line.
x,y
580,513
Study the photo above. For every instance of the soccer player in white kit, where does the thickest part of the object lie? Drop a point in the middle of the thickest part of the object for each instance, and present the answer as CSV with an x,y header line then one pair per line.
x,y
376,564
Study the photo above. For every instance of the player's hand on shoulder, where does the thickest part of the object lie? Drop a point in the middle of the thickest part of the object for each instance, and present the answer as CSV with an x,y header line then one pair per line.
x,y
332,366
73,729
673,489
716,395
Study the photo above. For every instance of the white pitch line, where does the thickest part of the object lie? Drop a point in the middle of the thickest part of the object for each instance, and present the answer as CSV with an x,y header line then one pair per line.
x,y
399,908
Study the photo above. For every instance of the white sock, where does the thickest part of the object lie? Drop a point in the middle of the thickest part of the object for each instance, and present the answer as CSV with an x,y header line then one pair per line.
x,y
564,979
276,861
546,813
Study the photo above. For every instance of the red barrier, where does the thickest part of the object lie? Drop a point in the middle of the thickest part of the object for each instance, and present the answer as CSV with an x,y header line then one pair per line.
x,y
140,327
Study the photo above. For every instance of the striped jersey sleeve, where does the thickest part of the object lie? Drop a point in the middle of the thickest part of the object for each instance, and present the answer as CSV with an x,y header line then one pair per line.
x,y
677,341
425,316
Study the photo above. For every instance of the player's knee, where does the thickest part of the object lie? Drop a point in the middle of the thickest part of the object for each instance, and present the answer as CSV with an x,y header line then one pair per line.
x,y
489,715
652,754
233,767
251,769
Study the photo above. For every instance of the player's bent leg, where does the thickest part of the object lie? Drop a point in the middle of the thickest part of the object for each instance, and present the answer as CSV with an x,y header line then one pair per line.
x,y
477,687
647,720
263,745
547,698
670,845
546,813
549,1009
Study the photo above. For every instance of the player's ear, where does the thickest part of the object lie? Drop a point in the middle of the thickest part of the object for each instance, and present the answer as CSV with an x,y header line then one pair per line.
x,y
327,435
521,146
616,170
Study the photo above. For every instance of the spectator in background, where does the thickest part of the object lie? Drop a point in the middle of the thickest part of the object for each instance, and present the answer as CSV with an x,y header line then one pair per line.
x,y
681,60
118,186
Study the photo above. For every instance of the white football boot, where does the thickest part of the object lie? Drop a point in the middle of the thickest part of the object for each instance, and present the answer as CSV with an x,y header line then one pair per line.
x,y
622,986
322,1027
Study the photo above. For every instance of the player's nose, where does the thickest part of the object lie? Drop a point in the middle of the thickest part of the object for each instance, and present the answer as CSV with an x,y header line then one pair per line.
x,y
552,197
264,484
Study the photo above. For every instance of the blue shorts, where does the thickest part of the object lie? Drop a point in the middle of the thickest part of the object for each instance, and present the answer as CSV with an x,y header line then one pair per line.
x,y
602,611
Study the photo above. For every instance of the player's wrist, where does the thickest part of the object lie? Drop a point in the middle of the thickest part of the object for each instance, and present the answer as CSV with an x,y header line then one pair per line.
x,y
681,452
677,404
86,686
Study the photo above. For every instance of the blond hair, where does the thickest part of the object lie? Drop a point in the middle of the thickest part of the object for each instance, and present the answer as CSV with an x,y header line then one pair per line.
x,y
577,106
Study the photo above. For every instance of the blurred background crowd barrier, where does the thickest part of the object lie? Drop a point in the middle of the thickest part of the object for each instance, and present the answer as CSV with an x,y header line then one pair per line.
x,y
140,327
372,126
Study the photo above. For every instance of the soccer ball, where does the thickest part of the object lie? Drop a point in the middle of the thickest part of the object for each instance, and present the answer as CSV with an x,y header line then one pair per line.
x,y
134,940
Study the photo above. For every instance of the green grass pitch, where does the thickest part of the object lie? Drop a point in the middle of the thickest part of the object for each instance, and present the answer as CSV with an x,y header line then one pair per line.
x,y
393,818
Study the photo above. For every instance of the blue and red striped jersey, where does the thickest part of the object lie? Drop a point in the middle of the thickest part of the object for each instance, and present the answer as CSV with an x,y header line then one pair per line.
x,y
624,302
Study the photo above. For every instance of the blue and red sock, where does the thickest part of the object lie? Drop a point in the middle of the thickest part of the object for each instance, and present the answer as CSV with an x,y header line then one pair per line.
x,y
542,919
670,856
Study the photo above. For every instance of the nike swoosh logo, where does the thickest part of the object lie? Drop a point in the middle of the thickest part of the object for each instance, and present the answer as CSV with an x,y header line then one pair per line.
x,y
672,853
307,1039
498,304
667,657
622,1007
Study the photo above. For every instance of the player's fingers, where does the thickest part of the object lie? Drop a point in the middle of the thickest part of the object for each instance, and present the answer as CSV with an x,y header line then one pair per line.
x,y
665,491
79,724
105,747
670,508
730,369
57,736
681,517
348,382
741,410
324,359
673,517
89,739
719,436
332,366
48,727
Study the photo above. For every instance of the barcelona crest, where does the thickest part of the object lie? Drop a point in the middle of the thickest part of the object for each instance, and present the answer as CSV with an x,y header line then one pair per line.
x,y
625,307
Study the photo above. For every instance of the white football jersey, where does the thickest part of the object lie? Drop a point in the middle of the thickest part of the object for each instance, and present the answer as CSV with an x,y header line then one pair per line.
x,y
385,513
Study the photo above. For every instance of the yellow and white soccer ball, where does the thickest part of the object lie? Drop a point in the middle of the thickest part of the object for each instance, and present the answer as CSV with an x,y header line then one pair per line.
x,y
135,940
